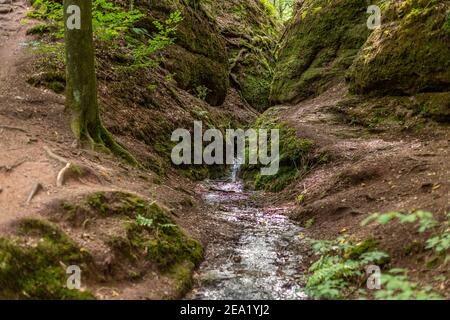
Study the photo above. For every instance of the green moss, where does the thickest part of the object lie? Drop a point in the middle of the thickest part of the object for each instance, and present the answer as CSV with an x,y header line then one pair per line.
x,y
198,57
390,64
391,112
295,158
52,80
98,202
256,90
318,47
149,232
36,271
40,29
357,250
182,274
434,105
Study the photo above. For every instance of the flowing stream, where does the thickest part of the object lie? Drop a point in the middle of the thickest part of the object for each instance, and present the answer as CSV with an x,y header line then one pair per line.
x,y
262,263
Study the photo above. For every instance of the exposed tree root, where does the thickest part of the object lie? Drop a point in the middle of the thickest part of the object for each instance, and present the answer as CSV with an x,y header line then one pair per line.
x,y
77,172
12,128
61,175
55,156
36,188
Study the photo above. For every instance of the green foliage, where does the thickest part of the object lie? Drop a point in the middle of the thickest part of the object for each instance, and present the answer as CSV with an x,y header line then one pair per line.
x,y
282,9
50,11
336,273
425,219
396,286
309,223
143,221
202,92
441,241
339,272
110,21
446,26
269,7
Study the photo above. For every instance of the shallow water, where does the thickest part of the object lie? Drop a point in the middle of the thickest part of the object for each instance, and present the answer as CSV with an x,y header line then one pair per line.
x,y
263,263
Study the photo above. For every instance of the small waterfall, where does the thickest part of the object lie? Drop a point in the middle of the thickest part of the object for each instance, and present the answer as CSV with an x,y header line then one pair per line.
x,y
235,170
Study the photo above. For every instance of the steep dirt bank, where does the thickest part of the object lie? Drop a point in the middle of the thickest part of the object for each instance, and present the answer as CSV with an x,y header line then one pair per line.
x,y
369,172
373,107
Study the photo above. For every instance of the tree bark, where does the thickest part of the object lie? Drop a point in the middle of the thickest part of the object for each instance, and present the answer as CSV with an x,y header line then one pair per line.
x,y
81,87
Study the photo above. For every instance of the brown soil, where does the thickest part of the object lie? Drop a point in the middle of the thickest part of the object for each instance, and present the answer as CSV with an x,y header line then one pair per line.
x,y
370,172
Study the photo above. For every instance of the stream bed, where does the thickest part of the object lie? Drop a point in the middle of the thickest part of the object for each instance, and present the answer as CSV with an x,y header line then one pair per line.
x,y
262,263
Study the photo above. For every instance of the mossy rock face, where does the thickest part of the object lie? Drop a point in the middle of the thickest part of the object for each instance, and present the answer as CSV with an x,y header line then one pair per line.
x,y
199,56
194,71
434,105
318,47
409,54
390,112
32,264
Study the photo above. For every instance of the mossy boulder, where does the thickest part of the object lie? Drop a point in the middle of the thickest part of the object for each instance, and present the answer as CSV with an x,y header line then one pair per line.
x,y
409,54
32,263
318,47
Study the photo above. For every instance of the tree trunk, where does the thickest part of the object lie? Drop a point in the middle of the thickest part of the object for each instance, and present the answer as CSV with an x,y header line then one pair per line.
x,y
81,88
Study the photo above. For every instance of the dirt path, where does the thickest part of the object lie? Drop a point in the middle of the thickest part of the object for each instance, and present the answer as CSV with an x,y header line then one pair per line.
x,y
30,120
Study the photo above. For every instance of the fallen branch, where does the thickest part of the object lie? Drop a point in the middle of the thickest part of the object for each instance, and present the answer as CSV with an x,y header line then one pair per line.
x,y
37,187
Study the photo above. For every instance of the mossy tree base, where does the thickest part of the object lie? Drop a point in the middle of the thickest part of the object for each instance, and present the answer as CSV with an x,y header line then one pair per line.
x,y
97,137
81,86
